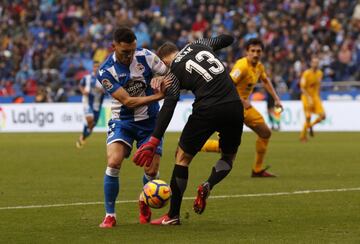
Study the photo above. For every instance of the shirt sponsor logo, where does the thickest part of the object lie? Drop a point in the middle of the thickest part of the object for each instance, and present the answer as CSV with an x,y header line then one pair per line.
x,y
135,87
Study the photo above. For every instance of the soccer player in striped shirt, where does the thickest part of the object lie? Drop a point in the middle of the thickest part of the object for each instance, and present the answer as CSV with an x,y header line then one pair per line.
x,y
92,99
127,75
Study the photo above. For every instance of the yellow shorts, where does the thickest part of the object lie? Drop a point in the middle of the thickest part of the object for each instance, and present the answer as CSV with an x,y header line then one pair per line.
x,y
316,108
252,117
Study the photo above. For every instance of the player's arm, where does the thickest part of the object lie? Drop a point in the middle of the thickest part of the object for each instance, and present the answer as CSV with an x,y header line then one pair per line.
x,y
303,87
99,88
270,88
157,66
84,87
145,154
319,87
167,110
238,74
119,93
217,43
133,102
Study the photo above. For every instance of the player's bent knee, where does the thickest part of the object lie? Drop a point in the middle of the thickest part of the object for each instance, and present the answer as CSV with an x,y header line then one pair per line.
x,y
114,161
91,126
266,134
228,156
114,165
182,158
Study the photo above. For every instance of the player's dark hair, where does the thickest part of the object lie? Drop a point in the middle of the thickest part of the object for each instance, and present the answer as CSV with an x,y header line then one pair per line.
x,y
254,42
166,49
124,34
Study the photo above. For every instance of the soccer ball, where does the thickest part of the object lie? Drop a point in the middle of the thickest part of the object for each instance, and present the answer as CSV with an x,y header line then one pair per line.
x,y
156,193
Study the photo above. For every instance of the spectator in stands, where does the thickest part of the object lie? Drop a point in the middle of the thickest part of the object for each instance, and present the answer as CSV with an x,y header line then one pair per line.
x,y
66,37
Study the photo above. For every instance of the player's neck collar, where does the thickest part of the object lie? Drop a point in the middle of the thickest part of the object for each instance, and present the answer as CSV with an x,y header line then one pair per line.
x,y
250,63
118,62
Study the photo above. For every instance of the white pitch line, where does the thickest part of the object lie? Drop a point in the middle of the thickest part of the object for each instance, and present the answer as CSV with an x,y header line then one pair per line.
x,y
188,198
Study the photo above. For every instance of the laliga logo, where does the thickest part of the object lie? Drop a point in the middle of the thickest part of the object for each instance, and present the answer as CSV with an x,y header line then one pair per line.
x,y
2,118
32,116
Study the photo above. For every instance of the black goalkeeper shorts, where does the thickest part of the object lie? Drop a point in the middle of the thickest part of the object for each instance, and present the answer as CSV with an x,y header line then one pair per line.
x,y
226,119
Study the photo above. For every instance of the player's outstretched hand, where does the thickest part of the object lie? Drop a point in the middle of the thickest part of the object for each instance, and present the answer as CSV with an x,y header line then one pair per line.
x,y
166,83
278,106
145,154
155,83
160,83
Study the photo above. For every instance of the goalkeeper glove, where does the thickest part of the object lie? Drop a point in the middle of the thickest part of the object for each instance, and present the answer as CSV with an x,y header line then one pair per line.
x,y
145,154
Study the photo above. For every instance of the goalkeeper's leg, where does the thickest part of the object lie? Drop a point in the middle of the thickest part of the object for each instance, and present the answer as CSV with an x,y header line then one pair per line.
x,y
220,170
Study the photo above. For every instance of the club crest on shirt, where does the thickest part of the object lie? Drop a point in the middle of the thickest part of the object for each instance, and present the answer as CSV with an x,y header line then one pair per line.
x,y
140,68
107,84
236,74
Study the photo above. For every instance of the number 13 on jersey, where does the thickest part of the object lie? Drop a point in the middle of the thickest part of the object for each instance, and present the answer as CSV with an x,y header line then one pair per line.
x,y
217,67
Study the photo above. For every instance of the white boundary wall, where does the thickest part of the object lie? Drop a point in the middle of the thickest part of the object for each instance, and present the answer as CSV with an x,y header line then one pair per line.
x,y
68,117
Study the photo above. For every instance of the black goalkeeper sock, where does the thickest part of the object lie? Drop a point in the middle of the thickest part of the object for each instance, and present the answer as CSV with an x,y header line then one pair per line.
x,y
219,172
178,184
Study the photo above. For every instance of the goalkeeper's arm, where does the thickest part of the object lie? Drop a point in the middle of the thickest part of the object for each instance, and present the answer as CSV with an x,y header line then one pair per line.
x,y
145,154
216,43
167,110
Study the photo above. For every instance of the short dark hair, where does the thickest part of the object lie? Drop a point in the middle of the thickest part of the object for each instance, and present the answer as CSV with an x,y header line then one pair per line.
x,y
254,42
166,49
124,34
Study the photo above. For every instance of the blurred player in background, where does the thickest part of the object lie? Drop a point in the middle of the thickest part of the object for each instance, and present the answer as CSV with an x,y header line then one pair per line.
x,y
245,74
126,75
310,96
92,99
217,107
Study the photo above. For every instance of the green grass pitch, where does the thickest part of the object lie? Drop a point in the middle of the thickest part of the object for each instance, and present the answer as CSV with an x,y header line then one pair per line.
x,y
47,170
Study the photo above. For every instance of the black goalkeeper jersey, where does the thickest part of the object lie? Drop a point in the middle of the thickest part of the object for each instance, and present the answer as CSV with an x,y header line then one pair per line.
x,y
197,68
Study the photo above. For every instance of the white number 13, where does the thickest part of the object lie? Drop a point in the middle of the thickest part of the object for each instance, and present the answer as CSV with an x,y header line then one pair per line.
x,y
216,69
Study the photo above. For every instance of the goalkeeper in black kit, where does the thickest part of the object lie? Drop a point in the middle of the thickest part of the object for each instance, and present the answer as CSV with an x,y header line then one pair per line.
x,y
217,108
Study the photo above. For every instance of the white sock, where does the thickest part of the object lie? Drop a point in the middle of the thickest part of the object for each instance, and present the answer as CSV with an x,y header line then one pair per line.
x,y
111,214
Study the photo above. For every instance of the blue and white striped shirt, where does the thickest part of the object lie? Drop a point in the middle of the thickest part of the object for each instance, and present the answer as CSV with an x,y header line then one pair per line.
x,y
135,79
